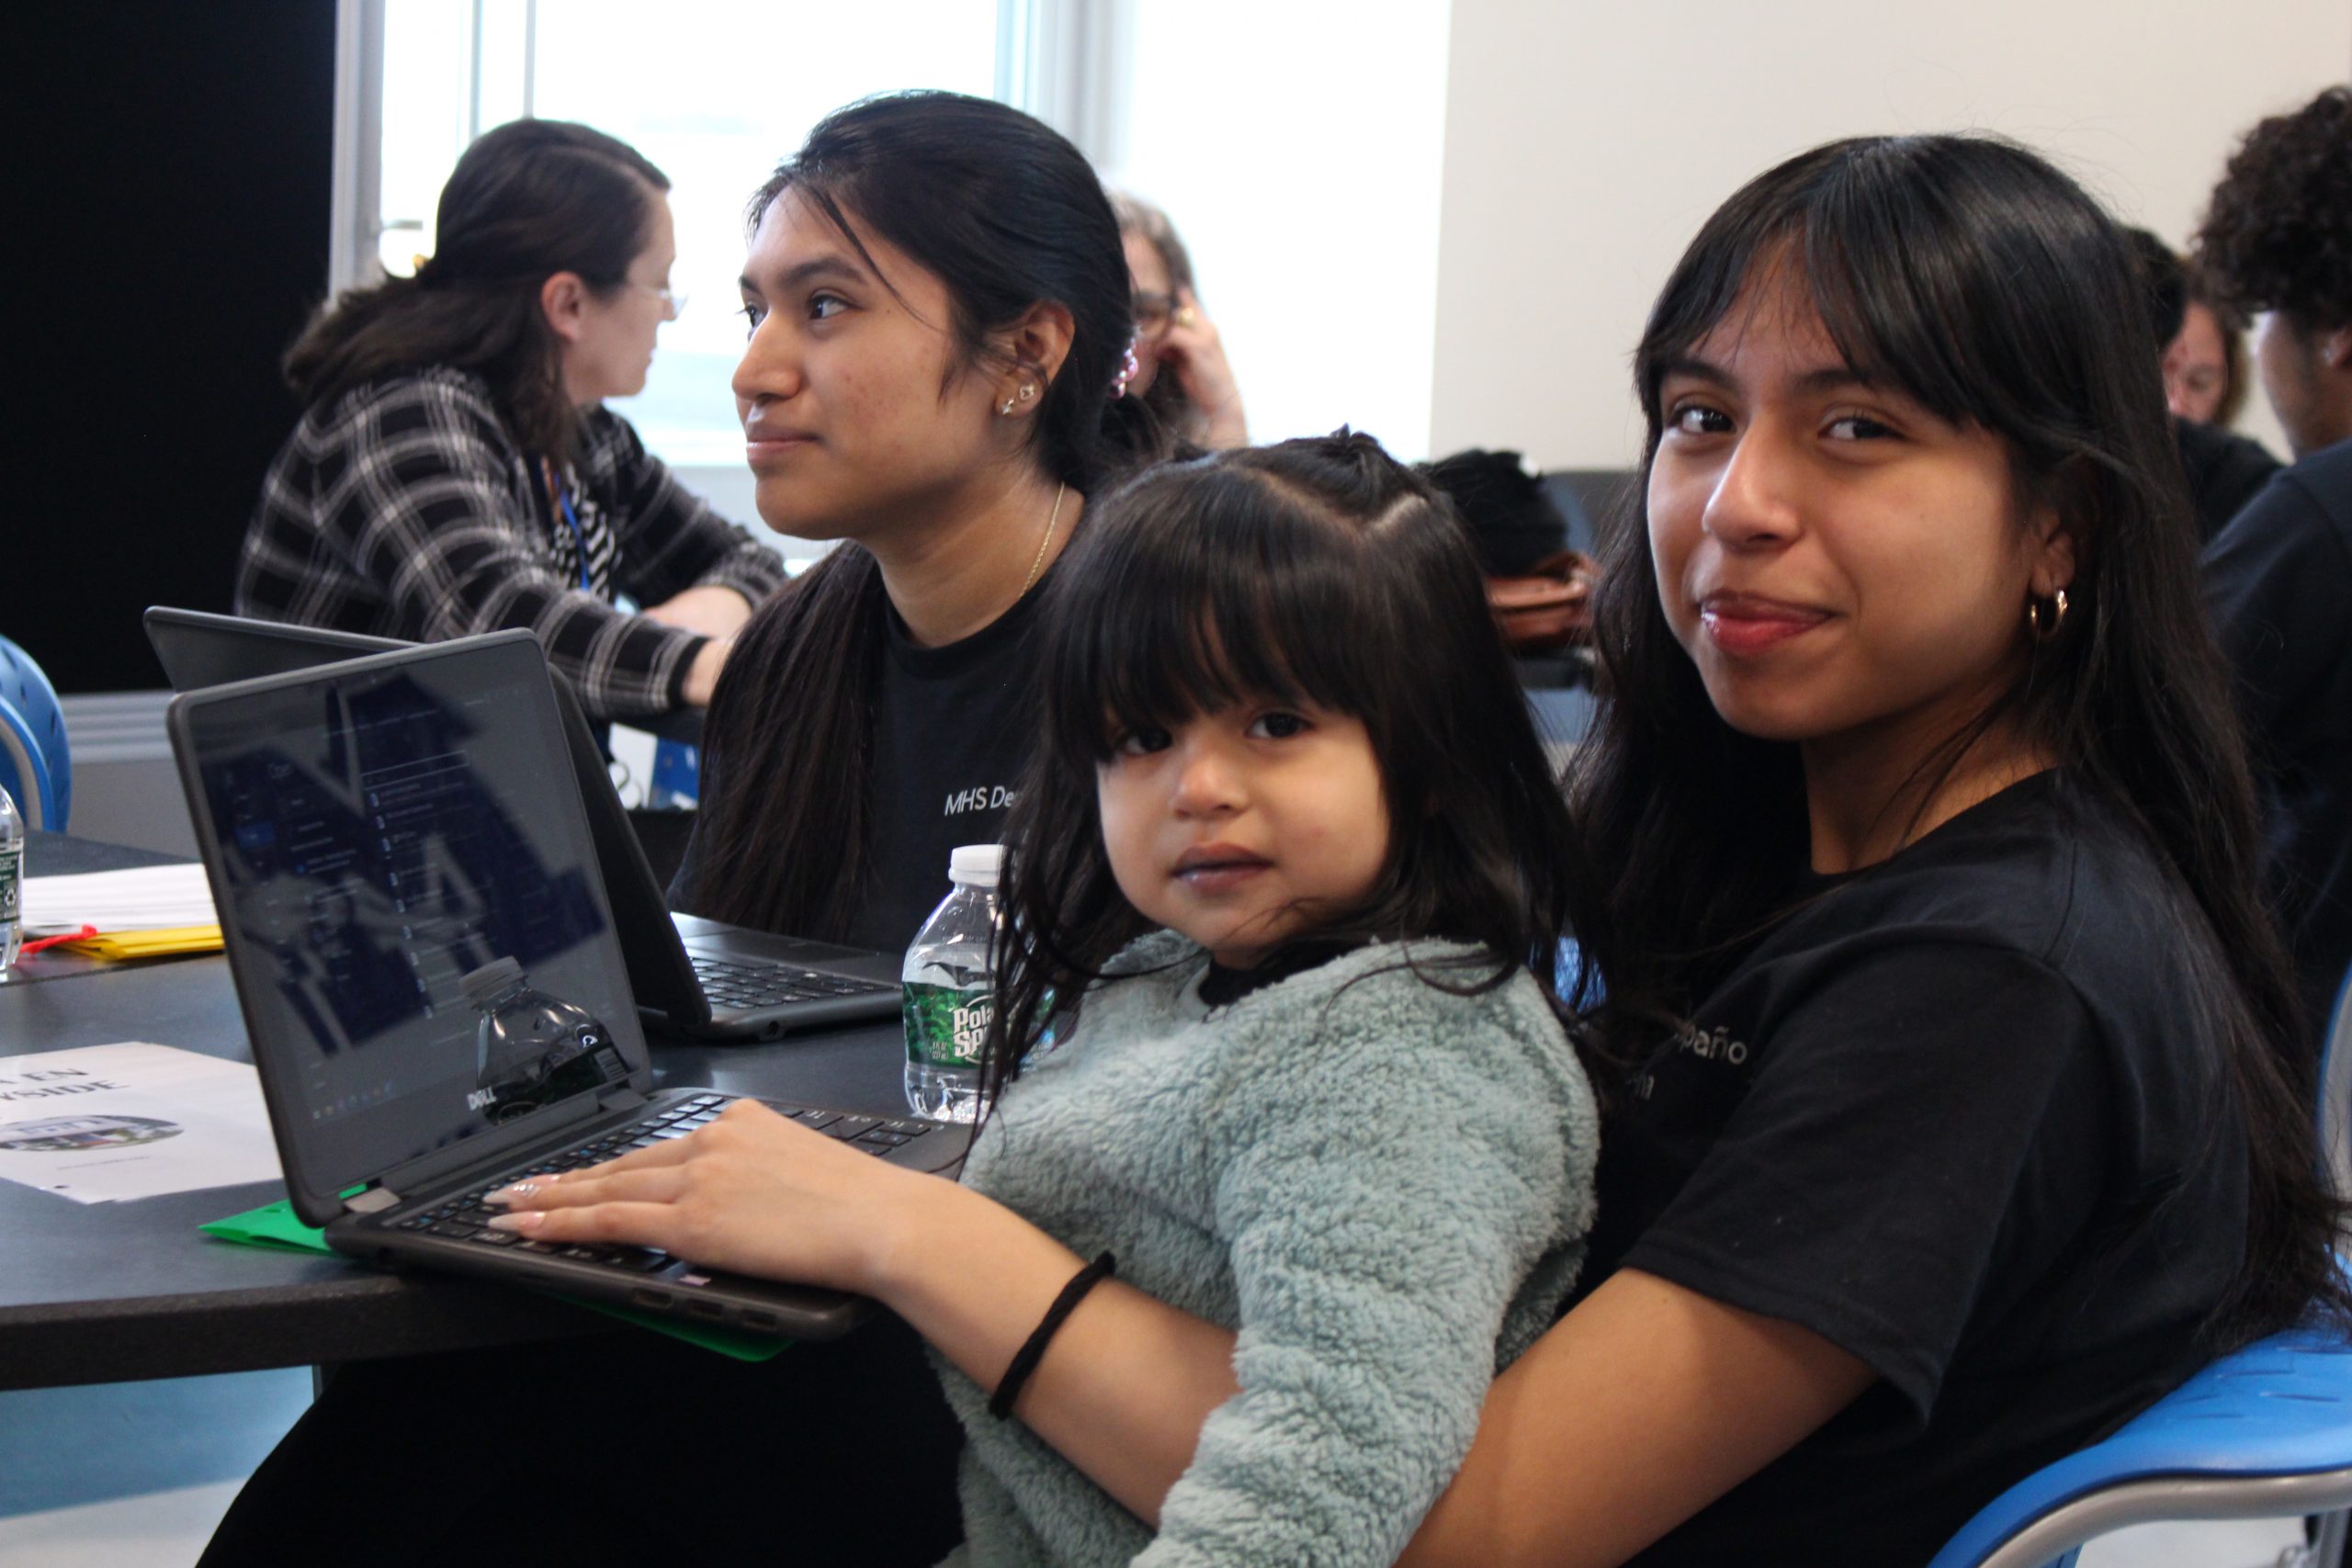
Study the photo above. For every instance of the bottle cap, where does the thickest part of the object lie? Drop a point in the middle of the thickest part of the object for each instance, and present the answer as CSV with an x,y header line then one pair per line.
x,y
479,986
976,866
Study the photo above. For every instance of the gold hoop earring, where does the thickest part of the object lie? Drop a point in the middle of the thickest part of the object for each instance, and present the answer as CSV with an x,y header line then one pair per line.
x,y
2046,630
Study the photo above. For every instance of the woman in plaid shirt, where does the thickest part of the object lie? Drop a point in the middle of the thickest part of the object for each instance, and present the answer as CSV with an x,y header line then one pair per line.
x,y
457,471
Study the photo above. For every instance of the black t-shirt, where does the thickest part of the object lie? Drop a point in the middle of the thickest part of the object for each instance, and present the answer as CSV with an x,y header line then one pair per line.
x,y
951,728
2279,584
1955,1115
2224,471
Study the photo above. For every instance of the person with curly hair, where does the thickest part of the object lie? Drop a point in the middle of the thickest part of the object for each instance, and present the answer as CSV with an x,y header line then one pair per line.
x,y
2276,243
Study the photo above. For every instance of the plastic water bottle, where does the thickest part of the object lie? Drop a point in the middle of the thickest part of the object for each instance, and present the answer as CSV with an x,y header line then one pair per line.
x,y
949,993
532,1049
12,881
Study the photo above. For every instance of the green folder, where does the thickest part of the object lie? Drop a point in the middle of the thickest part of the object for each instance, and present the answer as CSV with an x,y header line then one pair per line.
x,y
277,1225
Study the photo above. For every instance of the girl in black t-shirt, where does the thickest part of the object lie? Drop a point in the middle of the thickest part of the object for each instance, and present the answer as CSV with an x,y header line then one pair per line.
x,y
1965,1108
939,342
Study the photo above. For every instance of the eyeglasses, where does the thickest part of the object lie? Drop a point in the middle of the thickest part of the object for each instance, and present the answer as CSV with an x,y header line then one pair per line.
x,y
1154,313
673,305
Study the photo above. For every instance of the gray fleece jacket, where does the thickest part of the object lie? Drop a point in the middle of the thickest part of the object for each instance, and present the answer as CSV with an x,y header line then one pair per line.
x,y
1382,1186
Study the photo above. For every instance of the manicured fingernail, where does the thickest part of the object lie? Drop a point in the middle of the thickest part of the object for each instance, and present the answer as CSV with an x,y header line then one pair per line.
x,y
515,1194
526,1223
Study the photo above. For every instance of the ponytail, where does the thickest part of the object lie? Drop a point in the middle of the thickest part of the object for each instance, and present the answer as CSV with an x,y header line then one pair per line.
x,y
529,199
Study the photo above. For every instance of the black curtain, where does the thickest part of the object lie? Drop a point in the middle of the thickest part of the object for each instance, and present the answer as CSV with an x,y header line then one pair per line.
x,y
171,171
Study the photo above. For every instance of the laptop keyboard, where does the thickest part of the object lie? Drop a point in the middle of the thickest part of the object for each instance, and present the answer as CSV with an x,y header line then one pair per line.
x,y
753,982
467,1218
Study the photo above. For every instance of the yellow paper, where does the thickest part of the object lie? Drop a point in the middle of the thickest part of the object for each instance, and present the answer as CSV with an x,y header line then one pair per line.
x,y
163,943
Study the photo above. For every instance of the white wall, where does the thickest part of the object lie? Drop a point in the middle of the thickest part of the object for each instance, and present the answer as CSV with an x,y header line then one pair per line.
x,y
1296,147
1586,141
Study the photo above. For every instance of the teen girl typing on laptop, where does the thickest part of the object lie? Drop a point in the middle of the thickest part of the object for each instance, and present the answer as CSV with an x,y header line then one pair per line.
x,y
1312,1091
1965,1107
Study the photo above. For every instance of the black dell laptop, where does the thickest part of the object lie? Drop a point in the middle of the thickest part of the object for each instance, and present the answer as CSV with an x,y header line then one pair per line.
x,y
430,971
692,977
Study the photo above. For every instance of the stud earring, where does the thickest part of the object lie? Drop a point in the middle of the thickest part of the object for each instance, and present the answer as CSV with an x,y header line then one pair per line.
x,y
1028,391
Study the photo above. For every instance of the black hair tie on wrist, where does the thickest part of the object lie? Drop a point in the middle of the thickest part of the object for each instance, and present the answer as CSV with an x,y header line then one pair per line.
x,y
1032,1350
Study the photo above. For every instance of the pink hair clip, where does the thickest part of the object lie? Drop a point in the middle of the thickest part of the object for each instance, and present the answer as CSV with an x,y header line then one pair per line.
x,y
1129,368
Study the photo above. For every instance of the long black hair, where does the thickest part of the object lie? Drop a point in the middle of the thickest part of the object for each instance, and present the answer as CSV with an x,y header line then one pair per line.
x,y
1316,570
1986,286
529,199
1006,213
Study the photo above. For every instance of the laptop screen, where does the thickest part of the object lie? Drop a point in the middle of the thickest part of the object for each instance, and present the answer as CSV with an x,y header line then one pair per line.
x,y
198,649
410,893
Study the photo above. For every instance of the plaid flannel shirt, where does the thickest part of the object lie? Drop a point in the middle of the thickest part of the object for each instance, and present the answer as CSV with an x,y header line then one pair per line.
x,y
404,509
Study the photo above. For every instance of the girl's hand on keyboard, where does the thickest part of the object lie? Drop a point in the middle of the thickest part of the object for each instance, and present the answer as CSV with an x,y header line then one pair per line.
x,y
753,1192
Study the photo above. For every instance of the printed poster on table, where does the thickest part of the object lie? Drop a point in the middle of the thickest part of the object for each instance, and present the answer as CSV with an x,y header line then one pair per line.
x,y
107,1123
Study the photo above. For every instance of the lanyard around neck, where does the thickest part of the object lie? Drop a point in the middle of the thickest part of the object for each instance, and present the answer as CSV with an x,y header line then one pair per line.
x,y
563,494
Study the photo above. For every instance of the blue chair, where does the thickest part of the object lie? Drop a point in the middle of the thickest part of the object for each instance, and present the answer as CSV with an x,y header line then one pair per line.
x,y
2259,1434
36,767
2264,1433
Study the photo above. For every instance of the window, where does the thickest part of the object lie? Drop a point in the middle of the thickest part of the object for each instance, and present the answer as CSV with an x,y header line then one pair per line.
x,y
1298,150
714,91
1299,155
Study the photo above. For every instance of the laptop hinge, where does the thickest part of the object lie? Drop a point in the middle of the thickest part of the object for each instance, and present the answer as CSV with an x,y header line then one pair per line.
x,y
375,1200
620,1097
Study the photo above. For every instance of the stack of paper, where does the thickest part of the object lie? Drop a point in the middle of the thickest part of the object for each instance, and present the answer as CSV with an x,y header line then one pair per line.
x,y
107,1123
147,912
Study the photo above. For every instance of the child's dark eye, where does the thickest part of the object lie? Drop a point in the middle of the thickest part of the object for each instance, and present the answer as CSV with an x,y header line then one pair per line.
x,y
753,313
1279,725
824,306
1142,742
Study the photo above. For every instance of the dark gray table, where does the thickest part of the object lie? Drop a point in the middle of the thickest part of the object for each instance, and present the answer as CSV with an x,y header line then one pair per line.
x,y
109,1291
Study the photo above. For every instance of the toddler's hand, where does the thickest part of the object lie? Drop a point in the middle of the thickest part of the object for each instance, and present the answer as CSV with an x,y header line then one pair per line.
x,y
753,1192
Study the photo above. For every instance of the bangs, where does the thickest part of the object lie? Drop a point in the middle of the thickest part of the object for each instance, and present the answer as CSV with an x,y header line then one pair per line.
x,y
1911,251
1202,586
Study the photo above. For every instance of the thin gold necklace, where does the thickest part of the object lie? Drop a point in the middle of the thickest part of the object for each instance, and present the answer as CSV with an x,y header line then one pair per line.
x,y
1036,564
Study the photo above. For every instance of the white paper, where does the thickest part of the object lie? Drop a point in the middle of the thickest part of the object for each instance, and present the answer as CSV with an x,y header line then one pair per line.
x,y
145,898
106,1123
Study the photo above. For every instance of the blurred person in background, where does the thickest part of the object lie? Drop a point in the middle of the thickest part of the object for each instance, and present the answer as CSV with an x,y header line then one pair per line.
x,y
2276,243
1180,369
2205,364
2223,469
455,471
